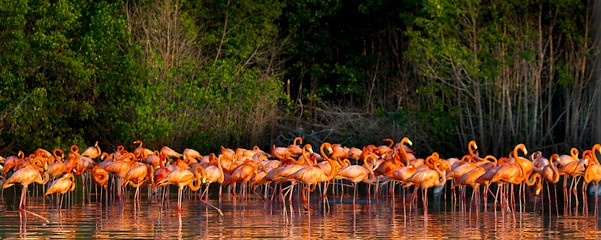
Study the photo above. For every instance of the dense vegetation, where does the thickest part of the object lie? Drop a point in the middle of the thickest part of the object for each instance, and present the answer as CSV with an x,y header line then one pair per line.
x,y
202,74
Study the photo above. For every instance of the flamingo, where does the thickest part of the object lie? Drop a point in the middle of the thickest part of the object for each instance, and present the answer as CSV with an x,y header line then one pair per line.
x,y
338,152
535,179
383,149
592,174
61,186
25,176
170,152
570,166
357,174
92,152
57,167
514,171
119,168
281,153
565,159
137,175
470,178
141,152
183,178
214,174
387,167
159,173
539,161
242,174
12,161
312,175
280,174
191,155
40,152
432,177
294,148
100,176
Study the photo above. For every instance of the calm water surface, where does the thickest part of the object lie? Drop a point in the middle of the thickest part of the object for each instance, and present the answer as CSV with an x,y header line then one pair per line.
x,y
252,218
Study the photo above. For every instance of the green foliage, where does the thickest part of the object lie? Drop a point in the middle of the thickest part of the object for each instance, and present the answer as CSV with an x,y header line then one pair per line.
x,y
64,60
202,74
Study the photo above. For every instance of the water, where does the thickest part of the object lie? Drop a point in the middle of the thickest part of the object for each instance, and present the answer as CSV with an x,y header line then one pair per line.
x,y
253,218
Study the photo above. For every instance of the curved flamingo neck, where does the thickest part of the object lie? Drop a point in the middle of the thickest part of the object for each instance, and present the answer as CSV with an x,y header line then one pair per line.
x,y
200,178
304,154
491,157
371,158
441,174
390,142
323,154
297,140
333,170
471,147
534,178
574,153
466,158
74,149
403,152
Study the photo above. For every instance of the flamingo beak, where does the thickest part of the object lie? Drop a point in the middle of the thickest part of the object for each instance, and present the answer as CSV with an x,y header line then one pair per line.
x,y
409,142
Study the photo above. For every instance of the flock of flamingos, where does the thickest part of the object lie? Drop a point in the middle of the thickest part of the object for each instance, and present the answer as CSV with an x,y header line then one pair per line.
x,y
275,174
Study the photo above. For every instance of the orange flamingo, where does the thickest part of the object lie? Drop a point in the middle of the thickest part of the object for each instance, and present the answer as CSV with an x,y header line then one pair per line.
x,y
432,177
535,179
12,161
61,186
280,174
242,174
25,176
191,156
170,152
570,166
294,148
92,152
388,167
383,149
154,159
312,175
100,176
161,172
566,159
183,178
470,178
281,153
57,167
214,174
119,168
357,174
592,174
137,175
513,172
141,152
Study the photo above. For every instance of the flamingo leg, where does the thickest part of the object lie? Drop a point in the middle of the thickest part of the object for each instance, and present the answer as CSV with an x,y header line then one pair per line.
x,y
596,200
425,203
179,199
575,192
354,196
23,198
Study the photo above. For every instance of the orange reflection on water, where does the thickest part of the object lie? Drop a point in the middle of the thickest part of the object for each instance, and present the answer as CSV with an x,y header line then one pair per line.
x,y
254,218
